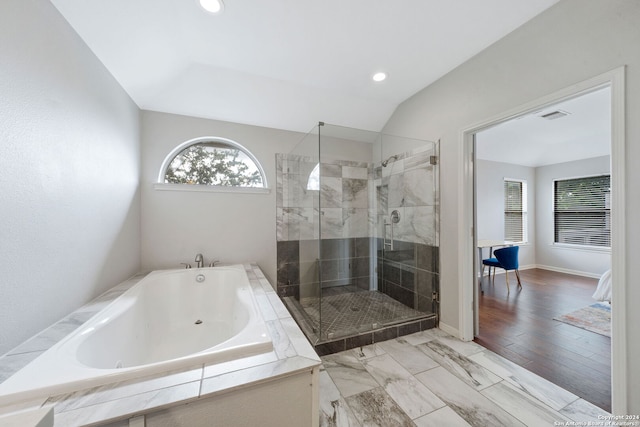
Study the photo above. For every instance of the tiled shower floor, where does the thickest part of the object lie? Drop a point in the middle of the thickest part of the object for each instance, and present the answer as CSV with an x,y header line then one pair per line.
x,y
347,310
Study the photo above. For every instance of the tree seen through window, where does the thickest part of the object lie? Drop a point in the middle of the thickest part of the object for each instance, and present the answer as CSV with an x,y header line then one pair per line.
x,y
213,163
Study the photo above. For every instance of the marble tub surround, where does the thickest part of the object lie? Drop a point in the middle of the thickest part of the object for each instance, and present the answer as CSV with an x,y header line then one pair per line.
x,y
41,417
168,320
431,378
23,354
116,403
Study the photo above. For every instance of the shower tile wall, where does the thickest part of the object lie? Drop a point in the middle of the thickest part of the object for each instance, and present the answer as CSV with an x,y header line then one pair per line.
x,y
344,224
409,273
408,184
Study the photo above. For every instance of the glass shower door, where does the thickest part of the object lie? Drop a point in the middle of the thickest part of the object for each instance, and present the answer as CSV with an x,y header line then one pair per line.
x,y
346,227
408,223
298,232
357,228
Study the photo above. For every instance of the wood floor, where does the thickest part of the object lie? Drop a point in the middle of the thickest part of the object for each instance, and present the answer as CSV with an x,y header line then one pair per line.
x,y
520,327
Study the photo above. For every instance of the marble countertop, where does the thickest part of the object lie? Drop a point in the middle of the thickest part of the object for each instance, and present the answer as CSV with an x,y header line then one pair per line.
x,y
291,354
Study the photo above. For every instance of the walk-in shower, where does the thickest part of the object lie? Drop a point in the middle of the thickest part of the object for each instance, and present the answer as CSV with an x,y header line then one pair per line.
x,y
357,230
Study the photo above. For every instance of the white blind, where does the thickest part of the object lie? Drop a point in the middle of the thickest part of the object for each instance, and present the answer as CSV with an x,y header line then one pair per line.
x,y
513,211
582,211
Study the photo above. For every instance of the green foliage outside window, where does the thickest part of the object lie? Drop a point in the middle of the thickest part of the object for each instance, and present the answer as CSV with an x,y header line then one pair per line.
x,y
213,164
582,211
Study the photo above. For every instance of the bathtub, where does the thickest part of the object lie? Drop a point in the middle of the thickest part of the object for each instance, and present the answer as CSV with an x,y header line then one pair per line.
x,y
167,321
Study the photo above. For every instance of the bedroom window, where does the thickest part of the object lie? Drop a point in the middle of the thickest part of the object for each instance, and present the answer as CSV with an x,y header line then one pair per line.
x,y
214,163
515,210
582,211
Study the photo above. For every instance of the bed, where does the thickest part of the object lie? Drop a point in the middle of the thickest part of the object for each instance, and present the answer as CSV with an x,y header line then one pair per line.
x,y
603,291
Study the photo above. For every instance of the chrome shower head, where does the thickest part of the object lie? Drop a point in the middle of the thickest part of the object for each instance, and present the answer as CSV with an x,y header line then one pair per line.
x,y
386,162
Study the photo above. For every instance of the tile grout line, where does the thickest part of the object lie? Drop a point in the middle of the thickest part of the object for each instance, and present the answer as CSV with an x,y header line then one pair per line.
x,y
361,358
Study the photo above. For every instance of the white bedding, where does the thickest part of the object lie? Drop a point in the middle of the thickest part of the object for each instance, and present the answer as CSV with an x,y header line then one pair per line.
x,y
603,291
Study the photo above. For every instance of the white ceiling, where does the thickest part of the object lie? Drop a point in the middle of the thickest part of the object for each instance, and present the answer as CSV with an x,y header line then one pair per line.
x,y
533,141
288,63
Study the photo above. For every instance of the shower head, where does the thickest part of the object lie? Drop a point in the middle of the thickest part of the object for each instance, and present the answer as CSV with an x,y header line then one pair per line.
x,y
386,162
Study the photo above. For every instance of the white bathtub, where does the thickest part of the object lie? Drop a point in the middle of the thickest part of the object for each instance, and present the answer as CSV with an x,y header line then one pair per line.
x,y
167,321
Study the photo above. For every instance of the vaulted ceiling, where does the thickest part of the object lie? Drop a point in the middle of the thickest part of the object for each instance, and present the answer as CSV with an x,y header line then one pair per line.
x,y
288,64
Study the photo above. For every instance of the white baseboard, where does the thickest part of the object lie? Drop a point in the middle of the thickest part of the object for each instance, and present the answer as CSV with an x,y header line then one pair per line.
x,y
551,268
568,271
449,329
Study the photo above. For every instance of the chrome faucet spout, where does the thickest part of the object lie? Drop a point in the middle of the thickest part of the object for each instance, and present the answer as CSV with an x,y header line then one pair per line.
x,y
199,261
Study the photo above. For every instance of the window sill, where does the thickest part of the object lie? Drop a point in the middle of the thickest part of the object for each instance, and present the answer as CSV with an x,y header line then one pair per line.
x,y
583,248
210,188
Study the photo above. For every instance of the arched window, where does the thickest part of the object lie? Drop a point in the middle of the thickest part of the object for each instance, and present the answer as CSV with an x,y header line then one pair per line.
x,y
212,161
313,183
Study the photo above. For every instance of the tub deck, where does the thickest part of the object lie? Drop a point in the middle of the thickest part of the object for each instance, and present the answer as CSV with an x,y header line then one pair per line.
x,y
291,355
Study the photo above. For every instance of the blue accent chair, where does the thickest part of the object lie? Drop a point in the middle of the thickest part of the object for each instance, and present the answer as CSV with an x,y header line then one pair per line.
x,y
505,258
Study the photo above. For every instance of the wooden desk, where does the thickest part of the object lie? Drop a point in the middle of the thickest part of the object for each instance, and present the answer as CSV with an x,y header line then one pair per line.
x,y
485,243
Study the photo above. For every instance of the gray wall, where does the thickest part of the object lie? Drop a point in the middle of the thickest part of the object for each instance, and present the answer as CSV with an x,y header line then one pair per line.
x,y
69,170
571,42
230,227
540,250
593,262
490,210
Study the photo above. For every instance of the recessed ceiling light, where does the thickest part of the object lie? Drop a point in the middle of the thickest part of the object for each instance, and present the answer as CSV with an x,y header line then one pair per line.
x,y
212,6
378,77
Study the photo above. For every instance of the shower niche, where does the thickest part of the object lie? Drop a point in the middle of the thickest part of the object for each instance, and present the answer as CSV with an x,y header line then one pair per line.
x,y
358,236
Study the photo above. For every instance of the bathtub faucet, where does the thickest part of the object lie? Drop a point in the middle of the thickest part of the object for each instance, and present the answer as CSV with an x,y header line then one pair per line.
x,y
199,261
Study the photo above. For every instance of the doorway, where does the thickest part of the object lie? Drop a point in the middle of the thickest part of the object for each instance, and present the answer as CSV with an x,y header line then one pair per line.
x,y
469,267
543,187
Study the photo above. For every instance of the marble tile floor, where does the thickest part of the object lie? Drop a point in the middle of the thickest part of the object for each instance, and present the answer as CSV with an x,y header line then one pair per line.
x,y
433,379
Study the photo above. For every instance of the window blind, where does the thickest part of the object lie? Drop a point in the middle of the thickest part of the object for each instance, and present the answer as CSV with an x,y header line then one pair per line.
x,y
582,211
513,211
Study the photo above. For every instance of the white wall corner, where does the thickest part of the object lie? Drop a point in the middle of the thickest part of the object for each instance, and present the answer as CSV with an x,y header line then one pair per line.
x,y
450,330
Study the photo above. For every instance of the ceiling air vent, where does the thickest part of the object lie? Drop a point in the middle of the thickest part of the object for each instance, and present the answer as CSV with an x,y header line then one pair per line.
x,y
554,115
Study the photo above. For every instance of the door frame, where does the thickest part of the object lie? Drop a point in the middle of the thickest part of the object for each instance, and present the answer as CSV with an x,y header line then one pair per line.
x,y
615,79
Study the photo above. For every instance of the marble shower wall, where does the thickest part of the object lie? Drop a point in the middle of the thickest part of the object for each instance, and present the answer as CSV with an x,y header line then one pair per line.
x,y
409,184
345,195
410,272
346,209
336,209
297,198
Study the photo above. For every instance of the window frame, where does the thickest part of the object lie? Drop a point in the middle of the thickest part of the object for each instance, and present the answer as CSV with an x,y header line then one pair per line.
x,y
160,183
578,246
524,210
